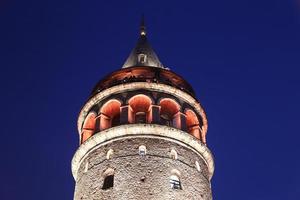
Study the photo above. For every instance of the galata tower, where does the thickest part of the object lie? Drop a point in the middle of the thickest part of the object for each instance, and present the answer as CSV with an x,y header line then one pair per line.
x,y
142,135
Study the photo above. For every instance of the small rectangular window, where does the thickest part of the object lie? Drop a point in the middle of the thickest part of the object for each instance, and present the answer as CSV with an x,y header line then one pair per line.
x,y
142,58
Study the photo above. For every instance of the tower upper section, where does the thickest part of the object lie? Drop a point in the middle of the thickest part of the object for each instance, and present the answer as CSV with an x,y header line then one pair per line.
x,y
143,99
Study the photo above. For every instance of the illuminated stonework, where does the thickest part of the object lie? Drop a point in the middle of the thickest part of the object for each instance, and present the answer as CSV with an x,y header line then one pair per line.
x,y
142,135
142,131
136,86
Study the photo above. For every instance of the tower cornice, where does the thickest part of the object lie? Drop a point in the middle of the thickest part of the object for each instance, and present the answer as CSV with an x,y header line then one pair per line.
x,y
142,130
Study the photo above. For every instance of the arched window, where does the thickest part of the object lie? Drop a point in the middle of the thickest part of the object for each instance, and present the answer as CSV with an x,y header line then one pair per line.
x,y
175,180
192,123
140,109
89,126
142,58
169,108
173,154
142,150
109,154
108,181
110,114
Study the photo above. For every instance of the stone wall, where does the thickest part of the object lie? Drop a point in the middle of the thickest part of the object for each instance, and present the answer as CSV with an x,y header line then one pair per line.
x,y
142,177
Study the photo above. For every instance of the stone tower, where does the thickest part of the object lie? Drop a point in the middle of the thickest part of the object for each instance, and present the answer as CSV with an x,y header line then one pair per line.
x,y
142,135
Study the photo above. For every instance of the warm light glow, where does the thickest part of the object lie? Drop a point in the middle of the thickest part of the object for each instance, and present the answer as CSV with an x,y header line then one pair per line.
x,y
192,123
142,130
140,104
169,107
109,112
149,86
89,126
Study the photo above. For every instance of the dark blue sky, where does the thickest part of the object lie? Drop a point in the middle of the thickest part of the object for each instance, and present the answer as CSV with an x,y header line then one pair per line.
x,y
242,57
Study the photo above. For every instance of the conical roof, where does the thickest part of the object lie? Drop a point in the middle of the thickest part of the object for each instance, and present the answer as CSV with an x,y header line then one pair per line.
x,y
143,54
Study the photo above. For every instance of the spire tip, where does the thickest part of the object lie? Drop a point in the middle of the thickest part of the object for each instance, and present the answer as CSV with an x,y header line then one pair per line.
x,y
143,27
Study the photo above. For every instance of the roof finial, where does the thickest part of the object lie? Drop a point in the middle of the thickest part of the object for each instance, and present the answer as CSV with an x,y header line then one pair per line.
x,y
143,54
143,27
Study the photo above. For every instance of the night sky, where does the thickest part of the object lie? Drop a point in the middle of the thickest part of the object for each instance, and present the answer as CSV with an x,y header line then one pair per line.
x,y
241,56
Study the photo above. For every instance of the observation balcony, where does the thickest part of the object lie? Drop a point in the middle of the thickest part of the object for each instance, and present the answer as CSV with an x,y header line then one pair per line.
x,y
142,109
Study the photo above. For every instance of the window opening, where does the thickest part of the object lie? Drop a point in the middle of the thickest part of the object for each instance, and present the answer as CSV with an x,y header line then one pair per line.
x,y
175,182
142,58
173,154
108,182
142,150
109,154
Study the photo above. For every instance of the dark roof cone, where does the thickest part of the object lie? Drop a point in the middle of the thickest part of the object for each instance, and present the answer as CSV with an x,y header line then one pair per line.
x,y
143,54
